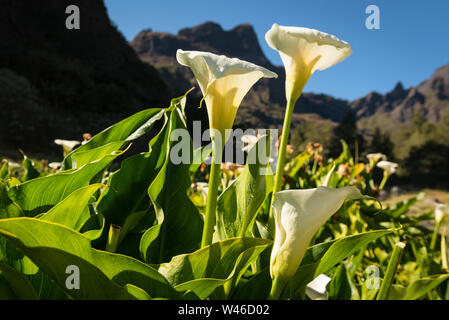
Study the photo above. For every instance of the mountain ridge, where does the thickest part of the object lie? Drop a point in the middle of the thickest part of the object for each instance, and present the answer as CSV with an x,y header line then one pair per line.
x,y
431,97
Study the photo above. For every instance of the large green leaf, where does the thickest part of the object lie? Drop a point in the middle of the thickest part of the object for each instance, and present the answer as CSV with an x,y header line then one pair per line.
x,y
103,275
73,211
18,283
238,205
113,138
210,267
179,224
39,195
256,288
417,288
322,258
344,247
129,185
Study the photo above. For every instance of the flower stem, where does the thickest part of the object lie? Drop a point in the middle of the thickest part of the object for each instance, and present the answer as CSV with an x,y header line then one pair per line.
x,y
277,287
391,270
113,236
383,182
444,261
211,204
435,235
282,151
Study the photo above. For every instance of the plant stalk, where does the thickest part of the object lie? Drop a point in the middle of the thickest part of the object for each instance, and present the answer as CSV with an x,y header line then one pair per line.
x,y
113,236
435,235
277,287
444,261
211,204
281,158
391,270
383,182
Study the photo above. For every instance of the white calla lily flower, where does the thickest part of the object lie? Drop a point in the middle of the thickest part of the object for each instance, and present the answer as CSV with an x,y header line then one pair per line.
x,y
316,289
67,145
441,212
303,51
224,83
298,215
388,167
375,157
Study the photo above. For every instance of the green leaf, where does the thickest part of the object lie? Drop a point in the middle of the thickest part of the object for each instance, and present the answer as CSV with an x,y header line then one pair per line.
x,y
321,258
238,205
298,163
8,209
214,265
402,207
344,247
129,185
6,292
137,292
180,222
256,288
39,195
18,283
113,138
339,287
73,211
4,172
103,275
30,172
417,288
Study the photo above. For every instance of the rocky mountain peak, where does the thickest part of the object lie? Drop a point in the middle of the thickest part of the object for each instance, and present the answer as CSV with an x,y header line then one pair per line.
x,y
160,48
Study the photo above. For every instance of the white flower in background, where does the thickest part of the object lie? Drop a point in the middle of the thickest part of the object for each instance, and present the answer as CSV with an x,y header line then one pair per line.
x,y
441,212
13,164
316,289
442,217
249,141
298,215
67,145
224,83
54,165
203,188
388,167
303,51
375,157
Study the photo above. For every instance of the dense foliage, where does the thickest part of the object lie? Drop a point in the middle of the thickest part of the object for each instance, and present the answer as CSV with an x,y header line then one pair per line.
x,y
135,232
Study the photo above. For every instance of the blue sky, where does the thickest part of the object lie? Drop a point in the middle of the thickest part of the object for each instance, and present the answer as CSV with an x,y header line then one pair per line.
x,y
413,40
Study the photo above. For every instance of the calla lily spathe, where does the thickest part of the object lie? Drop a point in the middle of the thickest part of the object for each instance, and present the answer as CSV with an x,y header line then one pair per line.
x,y
388,167
224,83
298,215
376,157
67,145
441,212
303,51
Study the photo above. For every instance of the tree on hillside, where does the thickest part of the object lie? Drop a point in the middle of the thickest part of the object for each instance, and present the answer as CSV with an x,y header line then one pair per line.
x,y
347,131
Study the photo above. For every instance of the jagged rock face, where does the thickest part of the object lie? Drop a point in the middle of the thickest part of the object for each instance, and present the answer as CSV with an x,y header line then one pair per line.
x,y
82,80
431,98
160,48
264,105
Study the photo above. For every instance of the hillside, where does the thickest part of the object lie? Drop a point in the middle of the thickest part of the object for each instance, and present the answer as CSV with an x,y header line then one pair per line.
x,y
60,83
264,106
